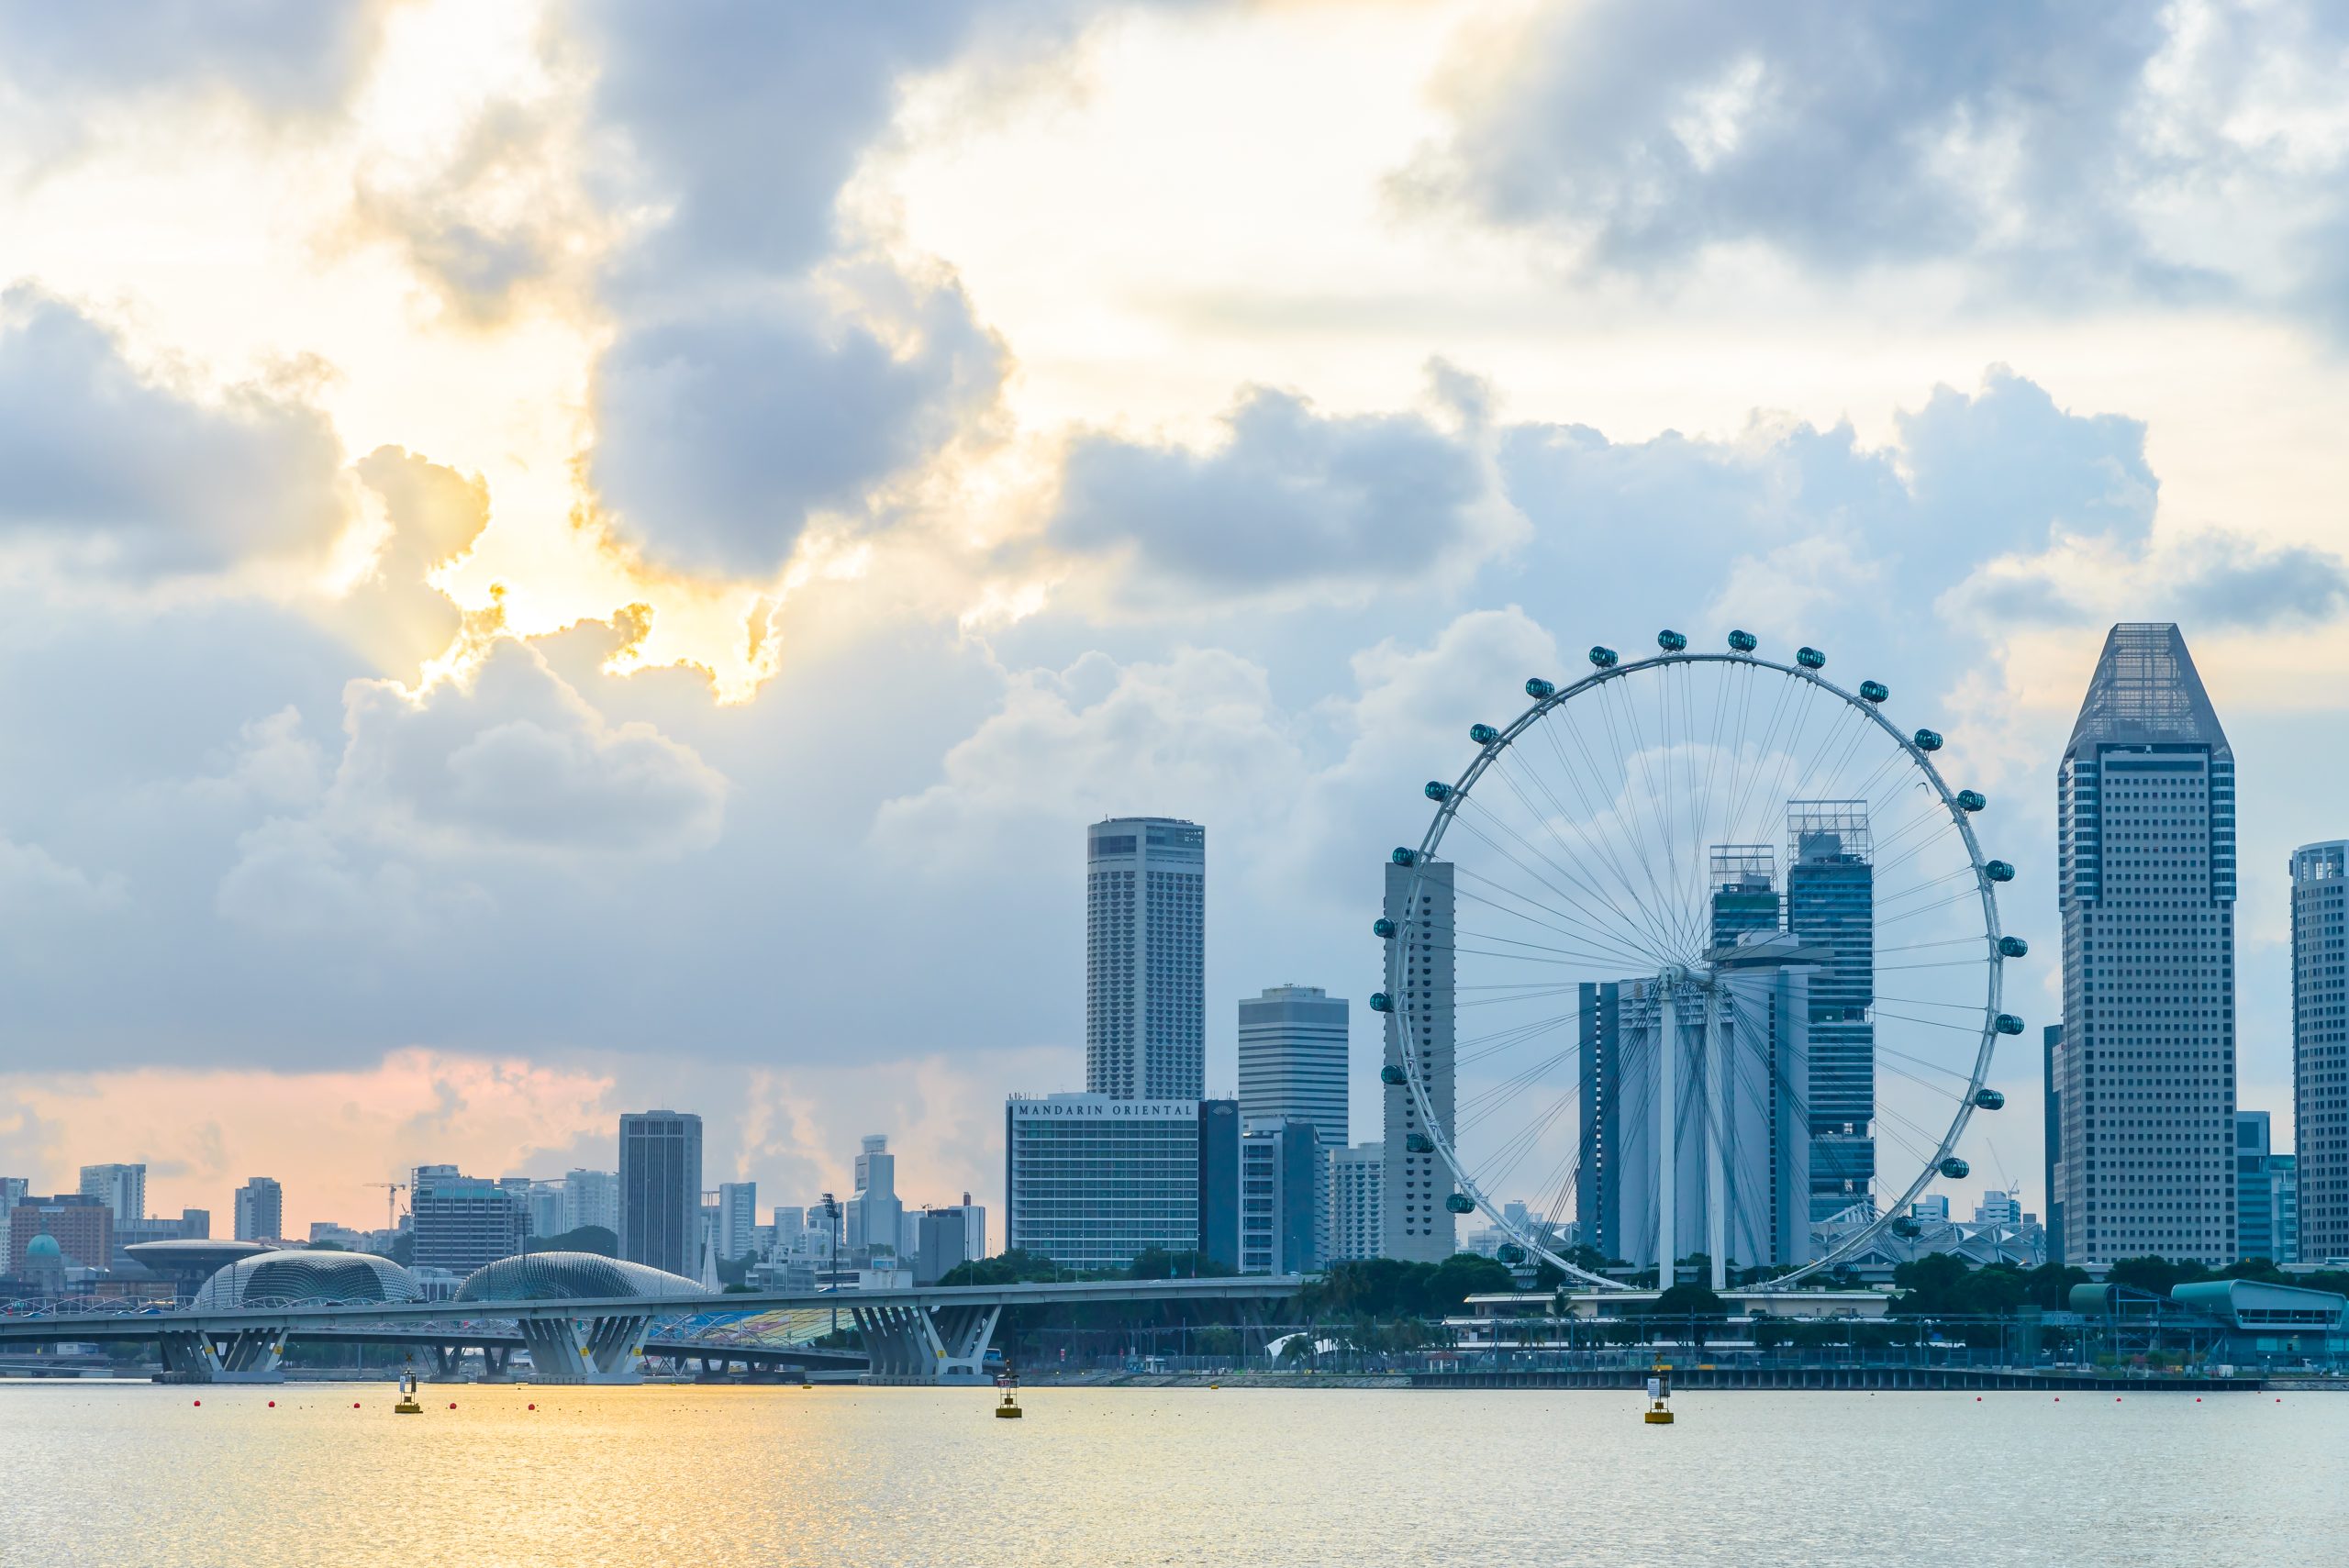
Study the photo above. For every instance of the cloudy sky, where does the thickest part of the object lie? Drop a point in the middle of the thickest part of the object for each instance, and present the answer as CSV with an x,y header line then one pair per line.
x,y
564,557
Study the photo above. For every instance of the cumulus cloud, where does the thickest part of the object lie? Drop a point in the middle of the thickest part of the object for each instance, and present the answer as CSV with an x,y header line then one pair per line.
x,y
1291,499
2063,146
122,475
720,434
513,760
433,515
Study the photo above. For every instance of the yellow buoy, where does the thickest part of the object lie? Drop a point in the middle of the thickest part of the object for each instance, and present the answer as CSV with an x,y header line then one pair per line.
x,y
1659,1391
408,1404
1007,1408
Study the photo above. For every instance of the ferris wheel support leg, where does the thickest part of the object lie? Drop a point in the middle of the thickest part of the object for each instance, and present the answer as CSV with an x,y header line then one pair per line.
x,y
1667,1119
1716,1181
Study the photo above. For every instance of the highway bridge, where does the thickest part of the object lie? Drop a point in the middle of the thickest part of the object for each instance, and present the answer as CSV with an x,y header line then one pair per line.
x,y
914,1335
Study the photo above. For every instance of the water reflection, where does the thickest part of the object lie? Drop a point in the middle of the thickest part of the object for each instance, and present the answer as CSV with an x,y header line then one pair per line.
x,y
134,1475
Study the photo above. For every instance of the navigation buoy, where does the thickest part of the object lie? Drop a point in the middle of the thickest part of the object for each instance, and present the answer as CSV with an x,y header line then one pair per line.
x,y
272,1404
200,1404
1007,1408
1659,1391
408,1404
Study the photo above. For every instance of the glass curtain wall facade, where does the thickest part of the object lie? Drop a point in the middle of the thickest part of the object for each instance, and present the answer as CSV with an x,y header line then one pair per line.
x,y
2145,852
1094,1181
1831,904
661,1190
2320,1047
1145,918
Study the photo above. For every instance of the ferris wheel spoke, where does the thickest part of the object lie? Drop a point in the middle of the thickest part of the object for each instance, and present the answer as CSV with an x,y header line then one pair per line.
x,y
1598,936
1564,872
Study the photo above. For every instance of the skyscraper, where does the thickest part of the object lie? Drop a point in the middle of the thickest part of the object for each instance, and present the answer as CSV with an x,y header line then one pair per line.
x,y
1145,914
2051,1132
1416,1183
737,1218
591,1197
261,1210
1760,1003
1283,1196
122,1188
461,1222
1293,1059
1357,1207
1745,891
661,1190
2320,1046
875,1214
1831,904
2145,854
2266,1207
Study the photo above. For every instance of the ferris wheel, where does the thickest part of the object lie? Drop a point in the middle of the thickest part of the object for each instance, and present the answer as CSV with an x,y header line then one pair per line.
x,y
1699,954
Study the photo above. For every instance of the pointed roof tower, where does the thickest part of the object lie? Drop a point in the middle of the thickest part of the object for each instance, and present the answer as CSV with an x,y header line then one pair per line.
x,y
2146,692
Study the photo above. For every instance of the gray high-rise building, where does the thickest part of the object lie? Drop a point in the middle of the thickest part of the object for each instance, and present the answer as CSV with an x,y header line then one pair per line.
x,y
1357,1201
1283,1196
2320,1046
591,1197
1293,1059
2145,852
2266,1206
1416,1183
2051,1132
661,1190
737,1218
122,1188
875,1213
461,1222
1831,905
261,1210
1145,949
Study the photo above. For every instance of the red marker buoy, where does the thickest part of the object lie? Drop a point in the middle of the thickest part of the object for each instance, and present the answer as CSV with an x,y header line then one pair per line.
x,y
200,1404
272,1404
355,1403
452,1404
534,1406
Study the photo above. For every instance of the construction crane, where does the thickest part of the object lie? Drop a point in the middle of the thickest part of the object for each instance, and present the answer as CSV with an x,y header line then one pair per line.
x,y
392,1190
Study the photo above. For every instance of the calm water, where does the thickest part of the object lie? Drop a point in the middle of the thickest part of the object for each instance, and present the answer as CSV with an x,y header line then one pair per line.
x,y
134,1475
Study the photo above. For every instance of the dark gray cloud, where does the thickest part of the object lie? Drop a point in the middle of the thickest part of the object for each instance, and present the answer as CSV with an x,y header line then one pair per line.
x,y
282,54
748,117
2035,137
1292,498
718,434
2231,581
137,480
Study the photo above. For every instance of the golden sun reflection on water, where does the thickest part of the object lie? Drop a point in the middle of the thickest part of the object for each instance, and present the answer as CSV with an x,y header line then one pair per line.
x,y
127,1475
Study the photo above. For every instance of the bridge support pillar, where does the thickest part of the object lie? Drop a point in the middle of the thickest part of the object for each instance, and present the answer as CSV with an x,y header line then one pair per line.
x,y
921,1345
492,1362
596,1350
189,1356
251,1355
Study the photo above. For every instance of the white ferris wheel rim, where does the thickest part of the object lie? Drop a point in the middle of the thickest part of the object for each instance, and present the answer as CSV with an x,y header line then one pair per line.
x,y
1994,958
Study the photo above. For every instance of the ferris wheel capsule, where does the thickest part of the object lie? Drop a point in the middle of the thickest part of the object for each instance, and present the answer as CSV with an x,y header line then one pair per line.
x,y
1438,790
2009,1024
1393,1076
2013,947
1460,1203
1970,800
1671,642
1928,739
1483,734
1743,642
1539,690
1875,692
1382,927
1999,871
1603,657
1811,658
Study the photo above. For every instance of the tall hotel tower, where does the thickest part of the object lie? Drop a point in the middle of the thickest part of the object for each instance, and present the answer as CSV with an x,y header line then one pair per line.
x,y
2146,848
1419,1228
1831,905
2320,1046
1146,919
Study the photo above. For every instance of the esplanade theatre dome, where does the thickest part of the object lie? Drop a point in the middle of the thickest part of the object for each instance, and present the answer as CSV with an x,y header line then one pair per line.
x,y
289,1276
553,1276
